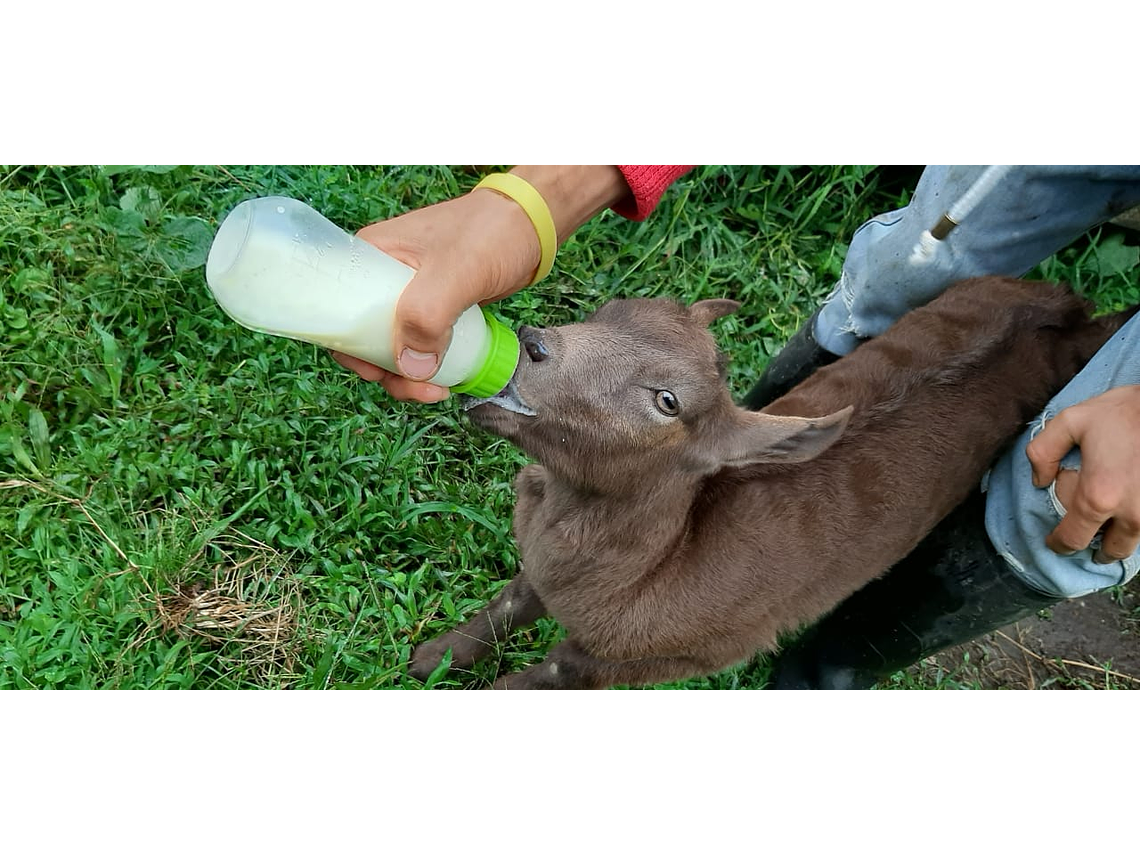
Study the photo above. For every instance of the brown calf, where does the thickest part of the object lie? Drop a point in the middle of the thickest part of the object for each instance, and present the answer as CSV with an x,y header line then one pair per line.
x,y
674,534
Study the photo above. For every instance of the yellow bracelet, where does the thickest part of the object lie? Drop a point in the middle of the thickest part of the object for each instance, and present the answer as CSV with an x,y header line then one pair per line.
x,y
535,207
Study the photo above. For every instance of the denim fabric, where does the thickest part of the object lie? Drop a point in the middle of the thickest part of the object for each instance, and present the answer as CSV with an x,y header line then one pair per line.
x,y
1033,212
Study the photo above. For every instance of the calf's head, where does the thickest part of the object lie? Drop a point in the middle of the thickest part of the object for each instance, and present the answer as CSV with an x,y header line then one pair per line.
x,y
637,392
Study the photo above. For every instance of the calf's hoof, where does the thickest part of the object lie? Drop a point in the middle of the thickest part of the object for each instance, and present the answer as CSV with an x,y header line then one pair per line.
x,y
427,656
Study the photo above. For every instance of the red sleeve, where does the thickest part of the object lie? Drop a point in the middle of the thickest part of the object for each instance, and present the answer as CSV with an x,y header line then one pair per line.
x,y
647,183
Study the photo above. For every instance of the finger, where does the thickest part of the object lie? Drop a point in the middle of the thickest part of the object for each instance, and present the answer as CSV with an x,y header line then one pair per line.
x,y
1076,530
1065,486
1050,445
425,314
398,387
366,370
1121,538
427,308
403,389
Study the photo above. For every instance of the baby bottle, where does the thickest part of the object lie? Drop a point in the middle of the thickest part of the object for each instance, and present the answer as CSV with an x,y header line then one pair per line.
x,y
277,266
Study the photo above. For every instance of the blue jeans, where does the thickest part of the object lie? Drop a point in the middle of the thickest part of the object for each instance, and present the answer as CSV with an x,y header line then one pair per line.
x,y
1031,213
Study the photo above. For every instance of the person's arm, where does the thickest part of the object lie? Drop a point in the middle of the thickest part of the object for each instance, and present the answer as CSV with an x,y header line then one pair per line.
x,y
574,194
482,247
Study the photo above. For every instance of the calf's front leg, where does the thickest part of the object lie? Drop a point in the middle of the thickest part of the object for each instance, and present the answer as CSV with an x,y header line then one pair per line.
x,y
568,666
517,605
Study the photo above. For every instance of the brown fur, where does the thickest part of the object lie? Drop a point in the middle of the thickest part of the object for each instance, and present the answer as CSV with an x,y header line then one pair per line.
x,y
676,546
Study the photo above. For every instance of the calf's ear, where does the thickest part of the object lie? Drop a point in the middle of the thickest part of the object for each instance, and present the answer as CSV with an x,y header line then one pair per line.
x,y
707,311
761,438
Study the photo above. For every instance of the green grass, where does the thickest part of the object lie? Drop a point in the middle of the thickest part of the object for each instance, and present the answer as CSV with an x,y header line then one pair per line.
x,y
152,451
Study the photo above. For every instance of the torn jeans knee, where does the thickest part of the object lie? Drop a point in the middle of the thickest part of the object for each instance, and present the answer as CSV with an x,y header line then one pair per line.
x,y
1029,215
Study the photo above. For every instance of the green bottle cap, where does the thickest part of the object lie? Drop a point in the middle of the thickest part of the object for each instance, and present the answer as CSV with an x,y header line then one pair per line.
x,y
498,367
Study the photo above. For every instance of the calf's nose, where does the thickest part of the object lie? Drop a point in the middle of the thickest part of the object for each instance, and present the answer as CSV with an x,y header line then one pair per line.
x,y
532,343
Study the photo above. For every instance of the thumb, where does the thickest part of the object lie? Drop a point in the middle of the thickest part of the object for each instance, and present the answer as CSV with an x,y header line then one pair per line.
x,y
425,314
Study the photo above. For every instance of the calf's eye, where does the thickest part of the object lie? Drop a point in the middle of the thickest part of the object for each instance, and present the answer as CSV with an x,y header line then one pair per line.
x,y
667,402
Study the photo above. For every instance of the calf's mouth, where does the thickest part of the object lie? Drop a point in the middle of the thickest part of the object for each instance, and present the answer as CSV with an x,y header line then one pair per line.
x,y
508,399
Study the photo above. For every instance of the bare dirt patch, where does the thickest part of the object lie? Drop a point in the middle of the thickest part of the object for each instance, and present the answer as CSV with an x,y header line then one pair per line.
x,y
1092,643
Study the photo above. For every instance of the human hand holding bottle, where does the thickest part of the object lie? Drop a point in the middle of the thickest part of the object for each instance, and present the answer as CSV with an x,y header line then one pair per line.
x,y
474,249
